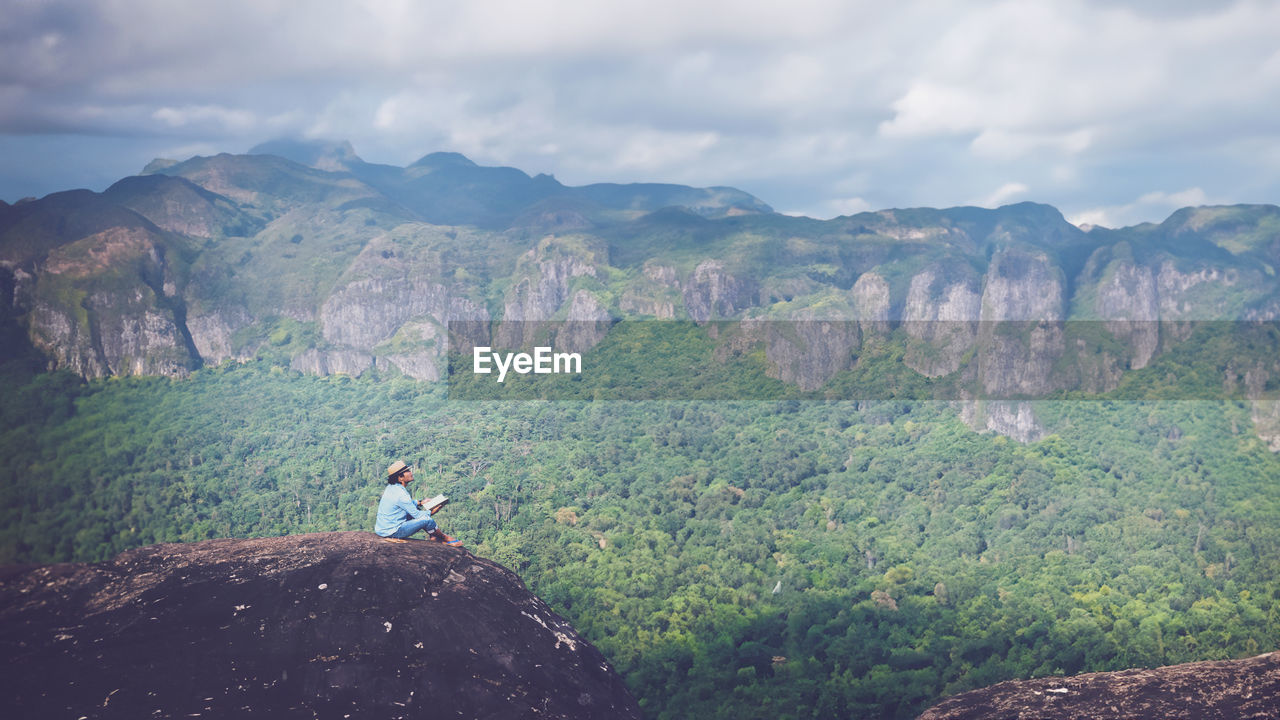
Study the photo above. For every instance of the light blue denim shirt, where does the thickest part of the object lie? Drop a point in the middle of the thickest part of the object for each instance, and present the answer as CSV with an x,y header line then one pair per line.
x,y
395,507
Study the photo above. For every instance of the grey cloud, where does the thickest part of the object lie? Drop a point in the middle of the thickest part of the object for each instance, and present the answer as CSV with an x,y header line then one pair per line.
x,y
809,105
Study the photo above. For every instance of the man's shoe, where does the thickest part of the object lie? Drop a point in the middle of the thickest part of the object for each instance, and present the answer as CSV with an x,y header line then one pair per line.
x,y
446,539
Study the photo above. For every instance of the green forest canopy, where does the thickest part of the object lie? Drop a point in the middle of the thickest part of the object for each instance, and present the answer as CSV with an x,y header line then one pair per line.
x,y
794,558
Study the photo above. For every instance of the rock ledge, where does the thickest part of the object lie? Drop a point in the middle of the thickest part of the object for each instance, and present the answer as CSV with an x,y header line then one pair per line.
x,y
1221,689
317,625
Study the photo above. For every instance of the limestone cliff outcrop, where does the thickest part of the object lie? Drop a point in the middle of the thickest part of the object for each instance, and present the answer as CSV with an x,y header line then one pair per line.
x,y
807,346
212,333
585,325
107,304
807,349
1012,419
1127,302
941,317
654,294
394,303
1020,335
318,625
1214,690
546,276
871,303
712,293
333,362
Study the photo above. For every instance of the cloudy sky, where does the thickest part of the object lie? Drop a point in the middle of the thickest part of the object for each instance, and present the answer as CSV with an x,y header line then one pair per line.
x,y
1115,112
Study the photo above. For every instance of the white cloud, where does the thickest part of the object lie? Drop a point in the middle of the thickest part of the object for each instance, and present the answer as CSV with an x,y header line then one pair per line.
x,y
410,110
214,117
848,206
1003,194
1183,198
1060,77
1149,207
646,151
1005,144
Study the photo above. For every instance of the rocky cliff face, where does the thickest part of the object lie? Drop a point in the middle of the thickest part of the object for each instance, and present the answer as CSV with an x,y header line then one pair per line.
x,y
320,625
586,324
1020,334
1016,420
1127,301
871,302
386,300
546,275
655,294
107,304
1226,689
807,350
711,292
941,316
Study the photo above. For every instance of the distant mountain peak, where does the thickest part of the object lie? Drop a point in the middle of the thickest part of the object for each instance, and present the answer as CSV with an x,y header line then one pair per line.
x,y
158,165
443,160
1035,209
321,154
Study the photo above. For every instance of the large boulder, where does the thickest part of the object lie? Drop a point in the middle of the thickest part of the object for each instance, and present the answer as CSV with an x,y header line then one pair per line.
x,y
317,625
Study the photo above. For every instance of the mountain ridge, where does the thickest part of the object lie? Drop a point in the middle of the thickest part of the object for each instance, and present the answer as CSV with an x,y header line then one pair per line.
x,y
363,267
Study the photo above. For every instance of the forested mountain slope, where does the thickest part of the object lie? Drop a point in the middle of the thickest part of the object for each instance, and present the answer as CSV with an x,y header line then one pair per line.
x,y
340,266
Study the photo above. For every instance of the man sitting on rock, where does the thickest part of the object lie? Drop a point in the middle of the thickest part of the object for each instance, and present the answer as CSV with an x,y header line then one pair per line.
x,y
399,515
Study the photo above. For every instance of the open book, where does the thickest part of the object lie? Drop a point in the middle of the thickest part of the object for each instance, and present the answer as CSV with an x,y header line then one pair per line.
x,y
435,503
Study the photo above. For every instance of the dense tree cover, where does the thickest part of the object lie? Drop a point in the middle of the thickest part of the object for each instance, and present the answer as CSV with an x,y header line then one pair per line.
x,y
792,558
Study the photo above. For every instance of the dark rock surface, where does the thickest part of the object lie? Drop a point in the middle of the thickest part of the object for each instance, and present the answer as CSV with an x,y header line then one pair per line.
x,y
1223,689
317,625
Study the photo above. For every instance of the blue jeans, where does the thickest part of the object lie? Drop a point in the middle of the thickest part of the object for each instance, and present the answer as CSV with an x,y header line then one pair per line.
x,y
412,526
